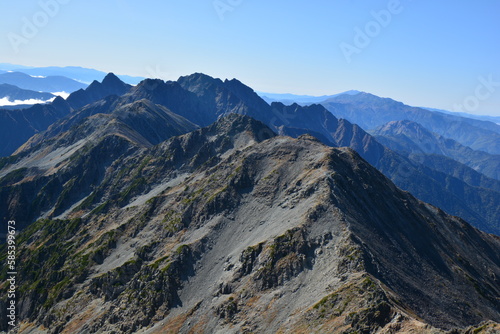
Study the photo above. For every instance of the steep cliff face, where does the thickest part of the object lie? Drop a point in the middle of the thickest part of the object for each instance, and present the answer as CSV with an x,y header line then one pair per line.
x,y
231,228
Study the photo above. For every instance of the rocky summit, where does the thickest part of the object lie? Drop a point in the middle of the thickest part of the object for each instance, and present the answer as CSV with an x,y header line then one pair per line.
x,y
232,229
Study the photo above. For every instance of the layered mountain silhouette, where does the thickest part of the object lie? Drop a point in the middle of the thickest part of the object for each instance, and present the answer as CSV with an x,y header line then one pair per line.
x,y
233,228
43,84
81,74
413,138
14,93
300,99
370,111
490,118
110,85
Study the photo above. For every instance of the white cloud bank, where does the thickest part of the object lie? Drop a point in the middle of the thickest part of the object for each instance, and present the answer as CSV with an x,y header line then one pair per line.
x,y
64,95
5,102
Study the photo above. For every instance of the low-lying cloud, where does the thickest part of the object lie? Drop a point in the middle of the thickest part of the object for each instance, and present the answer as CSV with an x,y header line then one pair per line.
x,y
64,95
6,102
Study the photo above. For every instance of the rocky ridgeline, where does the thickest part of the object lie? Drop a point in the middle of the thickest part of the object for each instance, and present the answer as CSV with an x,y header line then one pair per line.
x,y
231,228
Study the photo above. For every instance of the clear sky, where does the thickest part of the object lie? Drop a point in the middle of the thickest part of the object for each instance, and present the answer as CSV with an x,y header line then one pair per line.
x,y
443,54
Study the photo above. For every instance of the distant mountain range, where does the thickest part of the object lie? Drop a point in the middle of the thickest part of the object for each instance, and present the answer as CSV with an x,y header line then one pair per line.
x,y
81,74
494,119
370,111
288,99
49,84
413,138
12,93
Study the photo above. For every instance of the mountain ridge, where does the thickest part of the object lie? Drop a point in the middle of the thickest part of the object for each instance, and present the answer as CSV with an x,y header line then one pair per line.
x,y
204,99
235,228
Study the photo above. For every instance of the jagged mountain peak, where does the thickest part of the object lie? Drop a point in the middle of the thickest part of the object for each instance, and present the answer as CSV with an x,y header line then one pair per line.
x,y
205,86
242,90
111,79
199,83
403,126
93,85
149,83
229,133
110,85
58,100
238,86
158,91
235,123
198,79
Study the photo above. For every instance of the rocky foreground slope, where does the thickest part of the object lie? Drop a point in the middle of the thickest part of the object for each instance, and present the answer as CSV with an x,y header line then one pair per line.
x,y
231,229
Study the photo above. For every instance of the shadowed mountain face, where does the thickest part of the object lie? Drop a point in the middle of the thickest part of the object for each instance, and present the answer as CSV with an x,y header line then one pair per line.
x,y
63,167
154,123
80,74
230,228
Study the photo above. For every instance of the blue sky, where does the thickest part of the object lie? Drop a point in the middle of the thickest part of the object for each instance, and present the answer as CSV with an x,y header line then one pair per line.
x,y
442,54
